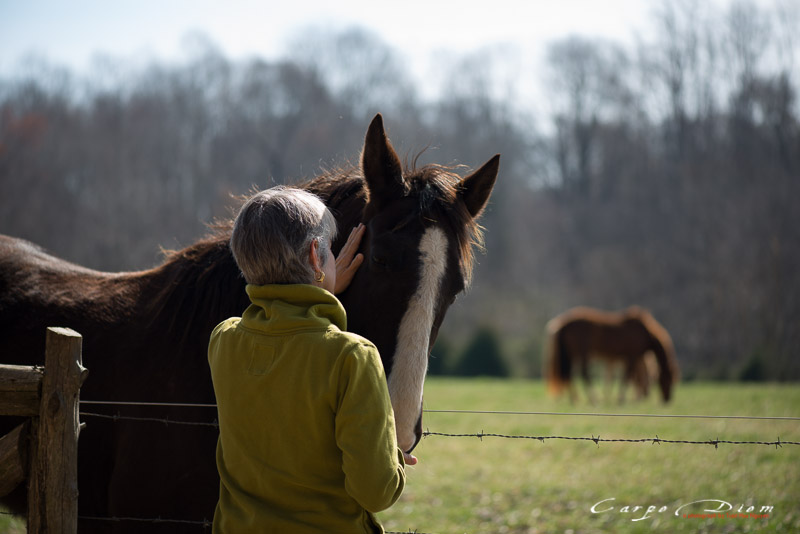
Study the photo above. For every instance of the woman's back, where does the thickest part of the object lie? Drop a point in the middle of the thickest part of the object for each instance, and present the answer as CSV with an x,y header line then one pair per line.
x,y
304,431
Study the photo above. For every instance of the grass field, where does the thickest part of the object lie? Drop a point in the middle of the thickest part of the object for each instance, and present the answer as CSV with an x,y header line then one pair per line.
x,y
498,485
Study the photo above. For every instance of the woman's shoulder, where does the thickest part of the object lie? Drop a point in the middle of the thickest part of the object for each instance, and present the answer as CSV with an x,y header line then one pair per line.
x,y
350,340
352,347
357,356
227,324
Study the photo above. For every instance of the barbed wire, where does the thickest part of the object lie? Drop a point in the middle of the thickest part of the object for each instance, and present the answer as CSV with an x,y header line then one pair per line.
x,y
427,433
204,523
480,435
487,412
135,403
651,415
597,440
166,421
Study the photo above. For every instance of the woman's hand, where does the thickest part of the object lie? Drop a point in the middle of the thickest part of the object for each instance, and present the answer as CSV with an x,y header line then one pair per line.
x,y
348,262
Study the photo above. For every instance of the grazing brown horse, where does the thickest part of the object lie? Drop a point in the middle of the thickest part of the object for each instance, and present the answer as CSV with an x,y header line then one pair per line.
x,y
146,333
580,334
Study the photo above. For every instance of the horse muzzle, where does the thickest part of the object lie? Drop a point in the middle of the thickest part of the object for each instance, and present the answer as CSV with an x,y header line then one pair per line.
x,y
417,435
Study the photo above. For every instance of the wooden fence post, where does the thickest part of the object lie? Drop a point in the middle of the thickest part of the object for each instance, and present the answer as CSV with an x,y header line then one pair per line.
x,y
53,477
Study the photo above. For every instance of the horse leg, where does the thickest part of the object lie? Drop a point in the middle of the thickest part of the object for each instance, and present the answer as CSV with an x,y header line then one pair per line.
x,y
587,379
573,395
608,386
643,373
627,376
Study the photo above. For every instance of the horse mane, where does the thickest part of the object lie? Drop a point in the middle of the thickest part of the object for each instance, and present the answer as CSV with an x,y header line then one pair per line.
x,y
435,186
195,287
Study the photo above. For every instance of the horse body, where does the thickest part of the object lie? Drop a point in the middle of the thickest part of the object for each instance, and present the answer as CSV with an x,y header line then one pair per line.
x,y
146,333
581,334
144,340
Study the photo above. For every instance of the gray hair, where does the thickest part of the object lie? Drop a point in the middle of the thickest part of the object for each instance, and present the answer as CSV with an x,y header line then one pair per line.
x,y
273,232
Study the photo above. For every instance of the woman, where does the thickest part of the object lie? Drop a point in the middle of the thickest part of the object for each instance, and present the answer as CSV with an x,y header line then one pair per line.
x,y
307,438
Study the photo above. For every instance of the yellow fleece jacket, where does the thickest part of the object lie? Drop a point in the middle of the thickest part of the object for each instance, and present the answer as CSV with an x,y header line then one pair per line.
x,y
307,439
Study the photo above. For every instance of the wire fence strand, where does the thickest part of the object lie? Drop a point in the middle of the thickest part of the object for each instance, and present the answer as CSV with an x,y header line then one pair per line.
x,y
166,421
205,524
597,440
135,403
427,433
486,412
650,415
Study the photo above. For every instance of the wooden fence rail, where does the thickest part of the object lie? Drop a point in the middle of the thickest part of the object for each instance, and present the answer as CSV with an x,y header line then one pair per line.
x,y
44,449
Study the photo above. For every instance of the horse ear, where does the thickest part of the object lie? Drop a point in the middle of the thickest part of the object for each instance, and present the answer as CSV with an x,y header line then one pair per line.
x,y
381,166
475,189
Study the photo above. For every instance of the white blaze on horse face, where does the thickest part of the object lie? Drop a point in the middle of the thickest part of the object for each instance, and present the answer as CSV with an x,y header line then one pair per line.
x,y
410,360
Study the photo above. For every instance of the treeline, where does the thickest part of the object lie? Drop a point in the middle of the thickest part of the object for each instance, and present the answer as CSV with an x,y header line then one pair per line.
x,y
665,174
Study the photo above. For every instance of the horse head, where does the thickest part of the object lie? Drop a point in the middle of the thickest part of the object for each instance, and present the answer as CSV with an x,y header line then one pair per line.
x,y
421,230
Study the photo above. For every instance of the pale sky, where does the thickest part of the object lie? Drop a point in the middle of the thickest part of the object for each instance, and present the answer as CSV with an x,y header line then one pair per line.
x,y
73,32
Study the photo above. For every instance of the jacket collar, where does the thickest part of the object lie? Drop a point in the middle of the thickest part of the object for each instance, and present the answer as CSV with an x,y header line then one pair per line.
x,y
280,308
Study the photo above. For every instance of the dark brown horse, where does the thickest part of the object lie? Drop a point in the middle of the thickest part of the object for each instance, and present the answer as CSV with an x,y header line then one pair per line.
x,y
581,334
146,333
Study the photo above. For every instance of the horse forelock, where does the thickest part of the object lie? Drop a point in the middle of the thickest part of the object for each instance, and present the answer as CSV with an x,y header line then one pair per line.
x,y
437,190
